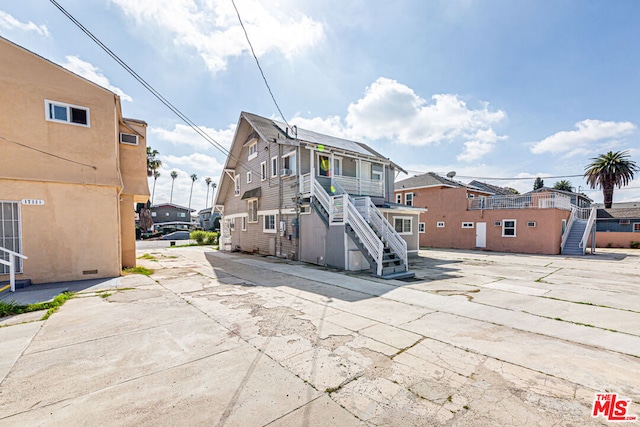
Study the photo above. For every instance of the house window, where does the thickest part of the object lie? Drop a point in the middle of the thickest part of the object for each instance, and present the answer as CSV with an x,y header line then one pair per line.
x,y
289,164
249,177
636,227
128,138
252,208
244,223
497,223
325,168
236,189
232,224
421,227
399,198
531,224
154,214
253,150
467,225
471,196
66,113
182,215
402,224
509,228
376,172
624,222
263,171
440,224
337,166
269,224
10,234
274,167
408,199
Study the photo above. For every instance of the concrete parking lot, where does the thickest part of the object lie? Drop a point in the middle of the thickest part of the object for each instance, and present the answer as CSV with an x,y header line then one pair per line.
x,y
215,338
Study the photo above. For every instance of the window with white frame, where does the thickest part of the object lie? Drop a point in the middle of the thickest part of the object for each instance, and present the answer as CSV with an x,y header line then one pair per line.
x,y
421,227
509,228
128,138
253,150
337,166
408,199
467,225
249,177
376,172
274,166
236,189
531,224
66,113
154,214
402,224
10,234
252,208
399,198
440,224
636,227
244,223
289,163
263,171
182,215
269,224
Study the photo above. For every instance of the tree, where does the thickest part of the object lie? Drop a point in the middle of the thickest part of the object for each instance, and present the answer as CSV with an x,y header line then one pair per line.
x,y
213,189
539,183
153,163
193,180
206,200
563,185
608,171
174,175
156,175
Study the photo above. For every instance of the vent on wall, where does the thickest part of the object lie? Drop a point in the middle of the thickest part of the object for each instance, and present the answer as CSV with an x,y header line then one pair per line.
x,y
531,224
497,223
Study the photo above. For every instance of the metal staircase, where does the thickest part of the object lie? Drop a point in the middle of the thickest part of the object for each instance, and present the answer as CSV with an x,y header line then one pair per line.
x,y
581,225
574,239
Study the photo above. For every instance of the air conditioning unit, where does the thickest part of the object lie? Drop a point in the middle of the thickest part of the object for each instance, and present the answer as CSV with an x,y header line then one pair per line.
x,y
285,172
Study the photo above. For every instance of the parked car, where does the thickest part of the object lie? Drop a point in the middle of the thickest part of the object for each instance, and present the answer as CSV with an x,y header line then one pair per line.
x,y
176,235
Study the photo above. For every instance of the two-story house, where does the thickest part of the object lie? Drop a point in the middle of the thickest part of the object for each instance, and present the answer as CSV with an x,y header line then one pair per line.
x,y
169,217
299,194
71,169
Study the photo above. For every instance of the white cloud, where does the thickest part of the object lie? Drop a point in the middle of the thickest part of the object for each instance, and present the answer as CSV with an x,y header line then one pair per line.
x,y
581,141
332,125
212,29
9,22
93,73
184,135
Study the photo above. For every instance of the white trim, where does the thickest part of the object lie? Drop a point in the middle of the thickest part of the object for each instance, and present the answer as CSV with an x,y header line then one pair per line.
x,y
249,177
255,153
633,227
423,226
128,134
274,170
440,224
408,200
413,251
467,224
233,216
243,226
403,233
249,201
265,175
288,211
515,223
275,224
48,118
399,198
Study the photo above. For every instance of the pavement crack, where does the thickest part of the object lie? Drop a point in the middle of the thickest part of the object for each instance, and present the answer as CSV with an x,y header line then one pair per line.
x,y
402,350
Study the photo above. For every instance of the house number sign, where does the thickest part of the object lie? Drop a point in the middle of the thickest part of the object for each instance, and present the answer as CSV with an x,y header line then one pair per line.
x,y
36,202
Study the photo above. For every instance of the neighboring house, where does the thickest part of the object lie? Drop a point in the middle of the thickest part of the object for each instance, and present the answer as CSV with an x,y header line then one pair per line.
x,y
303,195
493,189
465,216
170,217
71,170
617,227
207,220
579,200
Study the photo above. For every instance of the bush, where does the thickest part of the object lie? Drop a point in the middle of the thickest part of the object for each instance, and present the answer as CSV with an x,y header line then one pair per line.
x,y
199,236
635,245
211,238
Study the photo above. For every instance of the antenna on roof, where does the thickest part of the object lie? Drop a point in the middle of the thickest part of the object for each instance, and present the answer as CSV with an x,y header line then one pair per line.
x,y
451,174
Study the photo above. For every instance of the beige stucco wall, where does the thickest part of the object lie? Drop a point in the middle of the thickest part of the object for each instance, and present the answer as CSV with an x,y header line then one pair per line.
x,y
133,162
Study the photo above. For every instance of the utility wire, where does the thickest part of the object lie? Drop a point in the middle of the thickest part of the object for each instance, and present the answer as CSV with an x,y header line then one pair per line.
x,y
501,178
47,153
258,63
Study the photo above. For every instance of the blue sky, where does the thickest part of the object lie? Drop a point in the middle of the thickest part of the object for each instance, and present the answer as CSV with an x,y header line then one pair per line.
x,y
489,89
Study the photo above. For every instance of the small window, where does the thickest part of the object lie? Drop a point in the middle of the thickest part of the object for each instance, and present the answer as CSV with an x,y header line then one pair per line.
x,y
624,222
305,209
236,190
182,215
244,223
154,214
274,167
66,113
128,138
402,225
636,227
531,224
509,228
249,177
252,208
408,199
497,223
166,214
232,224
399,198
467,225
471,196
269,224
289,164
440,224
253,151
263,171
421,227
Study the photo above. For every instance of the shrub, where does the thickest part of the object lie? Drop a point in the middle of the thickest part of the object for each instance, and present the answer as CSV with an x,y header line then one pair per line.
x,y
634,245
211,238
199,236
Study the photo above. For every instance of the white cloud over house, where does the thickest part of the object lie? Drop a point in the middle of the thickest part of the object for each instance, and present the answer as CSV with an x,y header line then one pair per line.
x,y
8,22
212,28
185,135
583,139
94,74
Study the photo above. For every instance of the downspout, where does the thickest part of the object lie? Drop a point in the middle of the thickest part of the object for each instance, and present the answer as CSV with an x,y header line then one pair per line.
x,y
298,171
119,173
278,236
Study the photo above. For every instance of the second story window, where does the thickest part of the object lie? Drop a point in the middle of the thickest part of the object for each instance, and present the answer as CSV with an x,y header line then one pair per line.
x,y
66,113
236,190
408,199
253,151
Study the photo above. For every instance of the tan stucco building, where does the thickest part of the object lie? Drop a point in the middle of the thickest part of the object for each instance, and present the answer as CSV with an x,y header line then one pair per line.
x,y
71,169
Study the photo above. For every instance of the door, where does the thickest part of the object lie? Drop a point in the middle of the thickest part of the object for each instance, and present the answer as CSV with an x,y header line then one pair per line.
x,y
481,234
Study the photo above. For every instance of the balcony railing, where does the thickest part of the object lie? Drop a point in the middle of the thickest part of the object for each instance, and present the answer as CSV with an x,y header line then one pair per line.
x,y
526,201
351,185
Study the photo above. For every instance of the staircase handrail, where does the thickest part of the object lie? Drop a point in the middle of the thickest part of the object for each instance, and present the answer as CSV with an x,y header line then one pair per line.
x,y
321,195
565,235
12,265
387,232
587,230
367,236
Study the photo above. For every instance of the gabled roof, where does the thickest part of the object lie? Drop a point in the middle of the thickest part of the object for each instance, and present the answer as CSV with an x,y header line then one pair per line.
x,y
619,213
493,189
432,179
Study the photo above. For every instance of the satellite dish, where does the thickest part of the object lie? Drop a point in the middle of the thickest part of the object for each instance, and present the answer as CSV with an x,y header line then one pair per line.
x,y
451,174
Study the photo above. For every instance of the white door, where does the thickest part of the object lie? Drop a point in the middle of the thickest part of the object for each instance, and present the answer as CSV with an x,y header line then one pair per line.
x,y
481,234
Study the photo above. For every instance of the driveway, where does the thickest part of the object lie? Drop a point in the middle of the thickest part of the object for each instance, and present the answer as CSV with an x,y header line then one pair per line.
x,y
214,338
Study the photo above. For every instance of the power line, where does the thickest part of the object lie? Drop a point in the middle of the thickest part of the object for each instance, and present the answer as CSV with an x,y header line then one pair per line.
x,y
47,153
258,63
501,178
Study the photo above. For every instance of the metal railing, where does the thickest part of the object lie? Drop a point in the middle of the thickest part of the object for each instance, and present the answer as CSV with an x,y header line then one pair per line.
x,y
12,265
386,231
590,223
567,229
360,186
525,201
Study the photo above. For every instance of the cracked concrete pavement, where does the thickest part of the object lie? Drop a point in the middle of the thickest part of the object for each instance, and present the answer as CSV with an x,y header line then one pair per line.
x,y
224,339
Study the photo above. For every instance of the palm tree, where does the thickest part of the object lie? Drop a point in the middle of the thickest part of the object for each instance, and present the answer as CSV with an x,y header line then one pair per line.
x,y
563,185
193,180
156,175
610,170
174,175
213,189
206,200
153,163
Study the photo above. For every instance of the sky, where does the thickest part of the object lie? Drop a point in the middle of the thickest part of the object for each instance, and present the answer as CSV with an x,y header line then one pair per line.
x,y
501,91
